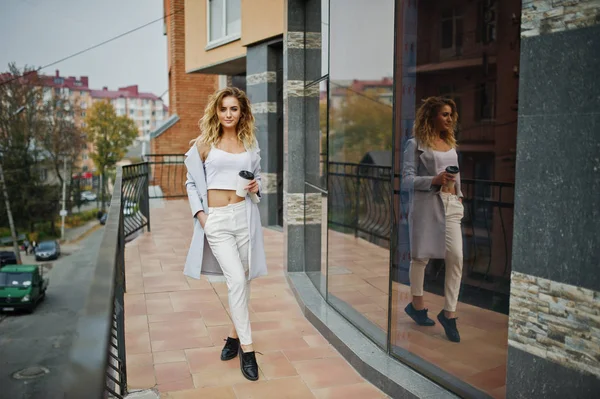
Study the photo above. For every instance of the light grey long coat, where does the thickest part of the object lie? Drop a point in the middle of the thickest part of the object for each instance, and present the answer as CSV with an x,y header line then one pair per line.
x,y
426,217
200,259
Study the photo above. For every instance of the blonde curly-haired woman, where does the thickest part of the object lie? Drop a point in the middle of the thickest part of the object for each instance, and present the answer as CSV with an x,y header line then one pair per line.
x,y
436,208
228,238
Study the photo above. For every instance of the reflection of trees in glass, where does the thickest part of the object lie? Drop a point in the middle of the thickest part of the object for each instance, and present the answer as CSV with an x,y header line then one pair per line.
x,y
362,123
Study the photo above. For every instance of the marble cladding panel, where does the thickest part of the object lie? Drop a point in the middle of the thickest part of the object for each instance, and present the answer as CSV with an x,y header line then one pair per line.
x,y
303,40
540,17
264,107
297,207
269,182
555,321
263,77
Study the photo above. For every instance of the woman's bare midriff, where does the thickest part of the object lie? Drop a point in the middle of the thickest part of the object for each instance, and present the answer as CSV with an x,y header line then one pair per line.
x,y
220,198
444,190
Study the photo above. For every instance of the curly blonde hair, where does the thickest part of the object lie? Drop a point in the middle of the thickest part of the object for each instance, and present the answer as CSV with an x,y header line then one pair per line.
x,y
424,130
210,126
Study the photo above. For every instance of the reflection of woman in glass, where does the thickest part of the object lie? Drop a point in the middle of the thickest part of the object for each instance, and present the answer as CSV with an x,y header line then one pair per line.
x,y
230,223
436,208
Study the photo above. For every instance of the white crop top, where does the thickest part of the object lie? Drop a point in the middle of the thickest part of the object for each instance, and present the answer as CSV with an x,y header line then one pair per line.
x,y
222,168
443,159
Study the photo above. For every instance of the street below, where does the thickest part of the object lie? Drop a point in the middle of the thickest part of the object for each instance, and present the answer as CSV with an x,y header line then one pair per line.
x,y
42,340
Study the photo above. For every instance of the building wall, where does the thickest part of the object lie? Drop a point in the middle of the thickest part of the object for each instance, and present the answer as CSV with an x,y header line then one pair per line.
x,y
555,298
261,19
188,93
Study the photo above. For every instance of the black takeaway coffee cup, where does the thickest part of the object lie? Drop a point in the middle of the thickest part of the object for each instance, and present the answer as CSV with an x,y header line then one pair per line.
x,y
244,178
453,170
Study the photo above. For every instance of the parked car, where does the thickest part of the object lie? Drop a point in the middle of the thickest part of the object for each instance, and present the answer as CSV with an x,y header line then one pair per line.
x,y
22,287
88,196
47,250
7,258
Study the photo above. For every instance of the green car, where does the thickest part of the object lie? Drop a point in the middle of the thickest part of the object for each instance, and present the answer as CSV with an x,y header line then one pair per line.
x,y
22,287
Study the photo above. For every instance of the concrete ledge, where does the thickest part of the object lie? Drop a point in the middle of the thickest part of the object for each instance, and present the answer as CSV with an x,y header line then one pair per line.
x,y
392,377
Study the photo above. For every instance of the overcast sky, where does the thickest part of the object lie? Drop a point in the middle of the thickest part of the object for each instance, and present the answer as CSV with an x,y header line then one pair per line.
x,y
38,32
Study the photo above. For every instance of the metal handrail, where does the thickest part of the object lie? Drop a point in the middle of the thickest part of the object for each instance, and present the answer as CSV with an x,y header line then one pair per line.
x,y
100,333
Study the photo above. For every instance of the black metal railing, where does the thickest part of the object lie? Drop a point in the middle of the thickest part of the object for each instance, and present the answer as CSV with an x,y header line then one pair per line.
x,y
167,175
361,201
136,198
97,362
360,198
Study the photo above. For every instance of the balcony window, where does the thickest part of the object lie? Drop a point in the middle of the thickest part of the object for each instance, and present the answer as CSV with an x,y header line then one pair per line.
x,y
224,21
452,32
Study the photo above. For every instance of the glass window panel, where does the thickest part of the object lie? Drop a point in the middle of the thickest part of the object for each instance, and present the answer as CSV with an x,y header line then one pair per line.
x,y
485,90
234,17
359,162
216,19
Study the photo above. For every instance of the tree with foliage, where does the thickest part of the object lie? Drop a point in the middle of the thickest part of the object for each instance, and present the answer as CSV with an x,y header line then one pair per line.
x,y
63,139
110,135
22,126
363,123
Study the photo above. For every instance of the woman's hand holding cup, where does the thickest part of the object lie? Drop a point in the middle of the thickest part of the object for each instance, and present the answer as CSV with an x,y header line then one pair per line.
x,y
442,179
252,187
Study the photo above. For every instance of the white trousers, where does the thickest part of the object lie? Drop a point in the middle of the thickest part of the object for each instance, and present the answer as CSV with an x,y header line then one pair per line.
x,y
454,255
227,233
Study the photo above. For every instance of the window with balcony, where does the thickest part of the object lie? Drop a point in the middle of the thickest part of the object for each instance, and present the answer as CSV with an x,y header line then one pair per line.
x,y
452,32
224,21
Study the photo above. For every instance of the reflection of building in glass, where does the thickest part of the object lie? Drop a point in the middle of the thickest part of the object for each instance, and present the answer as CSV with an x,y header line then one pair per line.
x,y
460,56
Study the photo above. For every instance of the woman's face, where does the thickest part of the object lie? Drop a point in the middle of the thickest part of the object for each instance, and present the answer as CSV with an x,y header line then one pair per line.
x,y
229,112
443,119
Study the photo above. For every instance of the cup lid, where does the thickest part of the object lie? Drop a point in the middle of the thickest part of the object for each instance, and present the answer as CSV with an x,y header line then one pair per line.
x,y
247,175
452,169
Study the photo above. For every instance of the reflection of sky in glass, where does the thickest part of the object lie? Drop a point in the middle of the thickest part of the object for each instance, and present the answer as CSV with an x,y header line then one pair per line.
x,y
362,39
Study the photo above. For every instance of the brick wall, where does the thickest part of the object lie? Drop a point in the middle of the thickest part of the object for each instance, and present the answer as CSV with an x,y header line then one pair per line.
x,y
188,95
188,92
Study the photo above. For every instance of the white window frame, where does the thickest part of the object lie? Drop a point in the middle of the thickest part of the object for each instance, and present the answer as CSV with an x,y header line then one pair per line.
x,y
225,38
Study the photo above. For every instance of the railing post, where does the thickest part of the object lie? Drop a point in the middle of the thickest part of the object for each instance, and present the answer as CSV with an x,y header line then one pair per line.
x,y
146,194
356,200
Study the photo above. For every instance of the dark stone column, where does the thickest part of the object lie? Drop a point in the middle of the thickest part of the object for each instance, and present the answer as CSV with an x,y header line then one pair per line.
x,y
302,48
261,86
554,325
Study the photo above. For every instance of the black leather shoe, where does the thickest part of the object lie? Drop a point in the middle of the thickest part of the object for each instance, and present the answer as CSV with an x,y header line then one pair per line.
x,y
248,365
231,348
419,316
449,327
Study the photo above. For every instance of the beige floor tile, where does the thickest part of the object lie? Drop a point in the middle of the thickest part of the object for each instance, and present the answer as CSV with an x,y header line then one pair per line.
x,y
353,391
168,357
275,365
283,388
323,373
171,372
163,330
180,385
137,343
316,340
295,355
178,343
225,392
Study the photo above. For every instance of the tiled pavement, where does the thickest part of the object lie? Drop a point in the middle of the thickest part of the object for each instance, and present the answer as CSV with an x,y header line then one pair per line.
x,y
175,327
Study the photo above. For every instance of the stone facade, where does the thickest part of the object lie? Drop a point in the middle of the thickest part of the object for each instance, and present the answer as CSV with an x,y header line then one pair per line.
x,y
555,321
548,16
